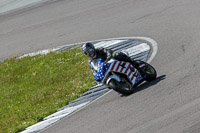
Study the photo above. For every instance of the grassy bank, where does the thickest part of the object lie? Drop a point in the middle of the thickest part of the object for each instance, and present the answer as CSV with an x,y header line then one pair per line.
x,y
33,87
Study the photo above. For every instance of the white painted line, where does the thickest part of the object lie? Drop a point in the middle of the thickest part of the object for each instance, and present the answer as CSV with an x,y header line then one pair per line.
x,y
107,43
154,45
138,49
39,52
152,42
94,94
88,99
66,110
46,51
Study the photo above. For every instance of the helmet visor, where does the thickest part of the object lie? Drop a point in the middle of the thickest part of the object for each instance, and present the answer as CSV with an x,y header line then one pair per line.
x,y
89,53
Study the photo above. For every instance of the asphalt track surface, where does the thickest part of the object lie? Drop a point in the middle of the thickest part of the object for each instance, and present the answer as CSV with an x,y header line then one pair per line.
x,y
170,104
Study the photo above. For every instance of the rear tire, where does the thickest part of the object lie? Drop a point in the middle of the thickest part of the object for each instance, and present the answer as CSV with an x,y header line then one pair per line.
x,y
148,70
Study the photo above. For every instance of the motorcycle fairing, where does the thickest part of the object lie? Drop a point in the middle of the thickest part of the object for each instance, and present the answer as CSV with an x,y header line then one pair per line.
x,y
126,68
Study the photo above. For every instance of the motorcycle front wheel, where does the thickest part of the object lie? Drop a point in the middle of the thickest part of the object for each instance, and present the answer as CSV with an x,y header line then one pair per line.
x,y
123,87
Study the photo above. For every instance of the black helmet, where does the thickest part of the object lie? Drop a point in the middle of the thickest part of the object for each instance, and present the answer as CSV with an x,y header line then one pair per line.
x,y
88,49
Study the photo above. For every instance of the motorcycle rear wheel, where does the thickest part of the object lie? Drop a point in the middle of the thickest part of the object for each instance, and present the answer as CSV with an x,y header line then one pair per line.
x,y
148,70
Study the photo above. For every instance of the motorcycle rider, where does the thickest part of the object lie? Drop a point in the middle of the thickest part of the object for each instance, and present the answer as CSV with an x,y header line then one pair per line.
x,y
105,54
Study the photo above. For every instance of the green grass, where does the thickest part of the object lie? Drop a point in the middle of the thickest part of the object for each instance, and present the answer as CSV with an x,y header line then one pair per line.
x,y
32,88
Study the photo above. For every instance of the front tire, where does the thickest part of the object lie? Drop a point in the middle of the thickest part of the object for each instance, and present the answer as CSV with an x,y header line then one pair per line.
x,y
123,87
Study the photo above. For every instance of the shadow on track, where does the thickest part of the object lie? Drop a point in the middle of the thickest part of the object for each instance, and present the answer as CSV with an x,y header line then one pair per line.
x,y
146,85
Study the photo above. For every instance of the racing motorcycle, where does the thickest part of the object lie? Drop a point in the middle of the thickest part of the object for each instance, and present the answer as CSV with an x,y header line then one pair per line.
x,y
122,76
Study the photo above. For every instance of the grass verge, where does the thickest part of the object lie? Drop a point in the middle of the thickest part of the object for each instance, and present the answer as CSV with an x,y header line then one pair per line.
x,y
32,88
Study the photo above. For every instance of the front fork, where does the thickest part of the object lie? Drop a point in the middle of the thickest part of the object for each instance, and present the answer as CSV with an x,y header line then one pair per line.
x,y
116,77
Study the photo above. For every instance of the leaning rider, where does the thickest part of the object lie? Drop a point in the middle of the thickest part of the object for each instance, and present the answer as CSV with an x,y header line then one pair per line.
x,y
105,54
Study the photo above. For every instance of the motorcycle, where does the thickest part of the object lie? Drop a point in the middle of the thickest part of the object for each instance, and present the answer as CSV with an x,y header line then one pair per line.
x,y
122,76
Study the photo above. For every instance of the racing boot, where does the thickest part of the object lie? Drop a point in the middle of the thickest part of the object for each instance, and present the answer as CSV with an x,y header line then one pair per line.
x,y
137,66
134,63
